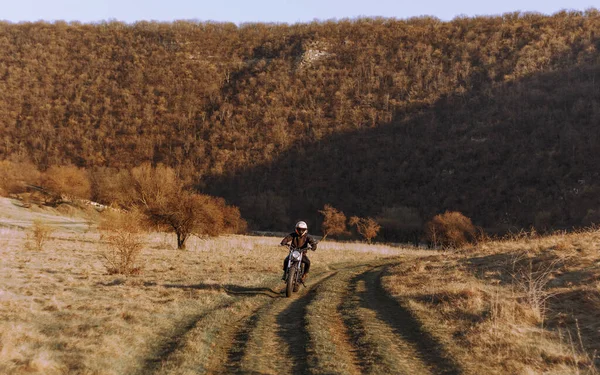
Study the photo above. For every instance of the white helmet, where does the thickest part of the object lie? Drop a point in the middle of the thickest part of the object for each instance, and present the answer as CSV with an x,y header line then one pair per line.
x,y
301,228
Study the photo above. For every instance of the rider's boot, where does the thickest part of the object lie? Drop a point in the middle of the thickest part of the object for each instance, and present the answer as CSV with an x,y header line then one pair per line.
x,y
304,276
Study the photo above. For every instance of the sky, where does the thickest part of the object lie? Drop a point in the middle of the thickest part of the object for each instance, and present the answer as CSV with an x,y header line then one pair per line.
x,y
269,11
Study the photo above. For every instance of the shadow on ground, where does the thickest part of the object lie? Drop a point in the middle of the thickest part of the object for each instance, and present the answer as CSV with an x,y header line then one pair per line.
x,y
232,289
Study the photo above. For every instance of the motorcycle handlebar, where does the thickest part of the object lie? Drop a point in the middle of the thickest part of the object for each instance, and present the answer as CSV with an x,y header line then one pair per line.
x,y
289,246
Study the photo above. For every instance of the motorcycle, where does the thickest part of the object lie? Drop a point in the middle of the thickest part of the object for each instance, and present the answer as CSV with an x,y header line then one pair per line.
x,y
295,271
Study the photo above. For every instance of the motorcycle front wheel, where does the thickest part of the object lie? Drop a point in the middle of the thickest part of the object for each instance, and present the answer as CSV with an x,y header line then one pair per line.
x,y
291,280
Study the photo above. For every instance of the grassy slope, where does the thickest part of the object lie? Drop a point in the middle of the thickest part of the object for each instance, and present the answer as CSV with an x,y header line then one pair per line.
x,y
526,305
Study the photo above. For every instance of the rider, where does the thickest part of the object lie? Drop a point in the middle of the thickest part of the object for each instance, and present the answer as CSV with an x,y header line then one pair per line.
x,y
300,240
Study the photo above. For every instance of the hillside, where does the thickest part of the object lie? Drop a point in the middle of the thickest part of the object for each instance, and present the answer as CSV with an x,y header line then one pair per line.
x,y
492,116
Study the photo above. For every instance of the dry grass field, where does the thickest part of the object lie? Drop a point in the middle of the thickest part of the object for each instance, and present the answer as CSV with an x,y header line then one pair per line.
x,y
527,306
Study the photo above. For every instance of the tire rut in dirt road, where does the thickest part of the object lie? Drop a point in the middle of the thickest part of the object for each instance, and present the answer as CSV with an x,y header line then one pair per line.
x,y
174,340
333,352
239,345
364,348
255,347
292,330
405,325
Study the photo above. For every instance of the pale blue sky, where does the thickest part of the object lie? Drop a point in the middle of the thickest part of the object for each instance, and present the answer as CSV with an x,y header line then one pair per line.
x,y
280,11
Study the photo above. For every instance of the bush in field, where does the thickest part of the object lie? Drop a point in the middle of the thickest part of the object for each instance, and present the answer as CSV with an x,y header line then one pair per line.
x,y
139,186
15,176
39,235
233,223
188,214
334,221
153,185
111,186
162,197
450,230
122,233
67,180
366,227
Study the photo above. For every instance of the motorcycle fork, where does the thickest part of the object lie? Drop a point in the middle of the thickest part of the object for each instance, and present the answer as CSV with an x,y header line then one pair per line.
x,y
301,272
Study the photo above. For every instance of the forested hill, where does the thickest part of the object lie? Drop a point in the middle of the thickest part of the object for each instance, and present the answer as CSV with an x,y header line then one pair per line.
x,y
497,117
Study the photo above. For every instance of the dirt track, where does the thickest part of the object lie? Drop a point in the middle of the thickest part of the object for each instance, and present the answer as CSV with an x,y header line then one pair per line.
x,y
342,323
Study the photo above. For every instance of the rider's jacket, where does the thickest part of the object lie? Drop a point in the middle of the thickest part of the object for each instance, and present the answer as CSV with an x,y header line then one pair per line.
x,y
300,242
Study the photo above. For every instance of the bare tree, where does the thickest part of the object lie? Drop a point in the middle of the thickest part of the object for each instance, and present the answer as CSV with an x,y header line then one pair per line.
x,y
161,195
366,227
334,221
188,214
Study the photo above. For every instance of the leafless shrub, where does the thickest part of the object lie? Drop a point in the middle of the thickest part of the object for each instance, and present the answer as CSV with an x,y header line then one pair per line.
x,y
39,235
188,214
122,233
366,227
531,280
162,197
111,186
154,185
450,230
233,223
334,221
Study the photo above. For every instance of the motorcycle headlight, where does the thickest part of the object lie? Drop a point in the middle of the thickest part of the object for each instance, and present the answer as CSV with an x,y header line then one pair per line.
x,y
296,255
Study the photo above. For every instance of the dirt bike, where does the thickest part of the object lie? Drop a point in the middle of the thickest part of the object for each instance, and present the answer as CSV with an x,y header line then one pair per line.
x,y
295,270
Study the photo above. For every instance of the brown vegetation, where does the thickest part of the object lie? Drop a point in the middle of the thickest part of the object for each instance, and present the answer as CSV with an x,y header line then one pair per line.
x,y
186,214
123,238
39,235
156,192
334,221
366,227
67,181
401,110
526,304
450,230
63,311
15,176
165,201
